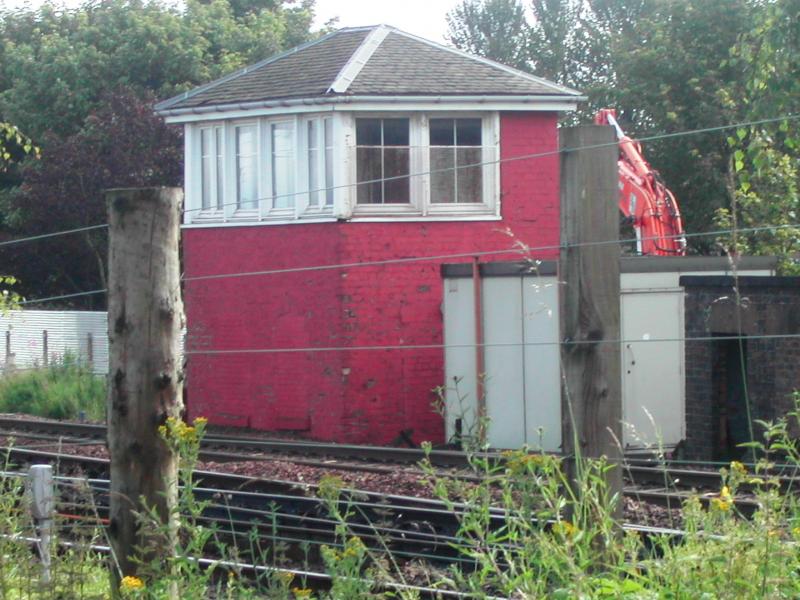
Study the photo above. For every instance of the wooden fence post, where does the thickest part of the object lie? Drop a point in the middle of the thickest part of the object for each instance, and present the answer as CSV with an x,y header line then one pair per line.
x,y
145,316
591,388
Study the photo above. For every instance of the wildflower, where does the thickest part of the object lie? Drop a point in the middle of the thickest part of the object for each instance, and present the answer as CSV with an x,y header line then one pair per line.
x,y
200,422
738,467
725,494
285,577
796,532
721,505
130,583
301,592
565,528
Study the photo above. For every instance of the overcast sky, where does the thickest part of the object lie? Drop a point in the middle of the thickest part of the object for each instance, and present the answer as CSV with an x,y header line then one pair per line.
x,y
425,18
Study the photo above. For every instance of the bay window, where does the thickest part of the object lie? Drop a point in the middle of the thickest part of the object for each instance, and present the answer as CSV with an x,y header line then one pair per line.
x,y
246,167
344,165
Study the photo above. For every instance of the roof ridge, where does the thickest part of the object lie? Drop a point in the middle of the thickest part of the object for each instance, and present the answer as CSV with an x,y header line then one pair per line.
x,y
358,59
165,104
562,88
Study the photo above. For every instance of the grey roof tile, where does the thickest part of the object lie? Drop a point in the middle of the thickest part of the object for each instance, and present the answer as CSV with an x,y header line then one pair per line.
x,y
404,65
401,65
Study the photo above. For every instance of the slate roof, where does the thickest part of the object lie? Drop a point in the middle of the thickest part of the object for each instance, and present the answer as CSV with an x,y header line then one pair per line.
x,y
367,61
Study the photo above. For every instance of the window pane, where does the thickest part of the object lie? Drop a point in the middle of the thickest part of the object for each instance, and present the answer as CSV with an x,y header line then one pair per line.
x,y
328,161
443,177
368,132
313,164
368,162
442,132
282,165
470,179
219,168
468,132
395,163
395,132
205,167
246,159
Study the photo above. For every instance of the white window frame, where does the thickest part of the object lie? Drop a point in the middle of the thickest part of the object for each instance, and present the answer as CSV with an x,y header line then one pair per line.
x,y
420,204
322,209
344,171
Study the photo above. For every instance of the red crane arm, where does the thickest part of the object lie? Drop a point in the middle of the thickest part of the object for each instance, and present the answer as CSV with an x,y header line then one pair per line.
x,y
644,199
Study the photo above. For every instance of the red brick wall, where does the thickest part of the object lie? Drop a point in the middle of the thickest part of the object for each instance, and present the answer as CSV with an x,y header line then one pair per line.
x,y
359,396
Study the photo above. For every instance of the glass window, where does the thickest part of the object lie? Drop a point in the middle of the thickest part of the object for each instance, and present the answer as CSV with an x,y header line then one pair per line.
x,y
312,133
282,164
205,167
220,167
456,154
328,141
211,168
246,161
382,161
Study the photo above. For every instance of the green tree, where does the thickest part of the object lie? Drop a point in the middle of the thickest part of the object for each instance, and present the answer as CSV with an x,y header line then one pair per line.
x,y
765,164
495,29
56,62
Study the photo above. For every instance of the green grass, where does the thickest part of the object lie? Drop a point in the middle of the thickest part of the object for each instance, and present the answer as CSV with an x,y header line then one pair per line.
x,y
60,391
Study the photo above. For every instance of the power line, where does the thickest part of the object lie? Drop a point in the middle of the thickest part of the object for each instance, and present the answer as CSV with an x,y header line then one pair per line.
x,y
498,161
709,338
443,170
513,250
62,297
53,234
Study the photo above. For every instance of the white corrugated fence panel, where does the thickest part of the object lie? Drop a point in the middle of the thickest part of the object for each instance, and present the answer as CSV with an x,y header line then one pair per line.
x,y
25,345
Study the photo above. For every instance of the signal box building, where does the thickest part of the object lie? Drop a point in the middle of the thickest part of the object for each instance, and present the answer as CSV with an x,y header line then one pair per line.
x,y
325,187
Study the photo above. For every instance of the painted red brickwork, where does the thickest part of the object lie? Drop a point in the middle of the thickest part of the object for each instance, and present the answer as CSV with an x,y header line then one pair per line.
x,y
355,395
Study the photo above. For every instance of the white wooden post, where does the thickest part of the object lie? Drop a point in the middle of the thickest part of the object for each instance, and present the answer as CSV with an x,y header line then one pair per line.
x,y
40,480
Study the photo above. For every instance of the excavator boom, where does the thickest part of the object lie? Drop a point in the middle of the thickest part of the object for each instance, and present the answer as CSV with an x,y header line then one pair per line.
x,y
644,199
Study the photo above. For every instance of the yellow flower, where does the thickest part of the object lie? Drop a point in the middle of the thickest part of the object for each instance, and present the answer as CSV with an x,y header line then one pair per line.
x,y
200,421
130,583
565,528
796,532
738,467
301,592
721,505
725,494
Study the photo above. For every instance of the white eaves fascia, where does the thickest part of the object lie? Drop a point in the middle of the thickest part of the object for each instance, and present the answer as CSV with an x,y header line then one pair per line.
x,y
372,103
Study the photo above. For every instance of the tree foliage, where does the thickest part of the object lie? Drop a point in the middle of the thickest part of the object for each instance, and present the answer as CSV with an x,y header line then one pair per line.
x,y
121,144
57,66
667,66
765,160
55,63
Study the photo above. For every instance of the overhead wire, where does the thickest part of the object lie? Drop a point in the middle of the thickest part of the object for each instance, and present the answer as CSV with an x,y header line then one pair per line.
x,y
649,138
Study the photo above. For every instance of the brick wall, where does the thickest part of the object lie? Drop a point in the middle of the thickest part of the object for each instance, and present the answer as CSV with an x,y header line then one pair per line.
x,y
359,396
769,306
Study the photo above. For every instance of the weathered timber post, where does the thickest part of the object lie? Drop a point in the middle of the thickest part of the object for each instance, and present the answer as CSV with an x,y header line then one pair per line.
x,y
591,387
145,316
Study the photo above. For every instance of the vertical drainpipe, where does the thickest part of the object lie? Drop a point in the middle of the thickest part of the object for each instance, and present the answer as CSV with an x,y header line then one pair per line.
x,y
480,357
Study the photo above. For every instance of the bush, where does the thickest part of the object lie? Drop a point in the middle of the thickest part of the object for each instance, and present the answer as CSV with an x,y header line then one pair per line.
x,y
62,390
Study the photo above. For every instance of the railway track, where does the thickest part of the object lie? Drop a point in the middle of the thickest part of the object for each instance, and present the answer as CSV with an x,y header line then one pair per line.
x,y
661,485
290,515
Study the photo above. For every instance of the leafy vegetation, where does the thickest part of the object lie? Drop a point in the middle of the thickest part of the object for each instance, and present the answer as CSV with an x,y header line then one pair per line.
x,y
561,539
81,82
66,389
671,66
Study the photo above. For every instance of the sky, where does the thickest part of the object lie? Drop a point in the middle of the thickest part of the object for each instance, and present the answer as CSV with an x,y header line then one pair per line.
x,y
425,18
